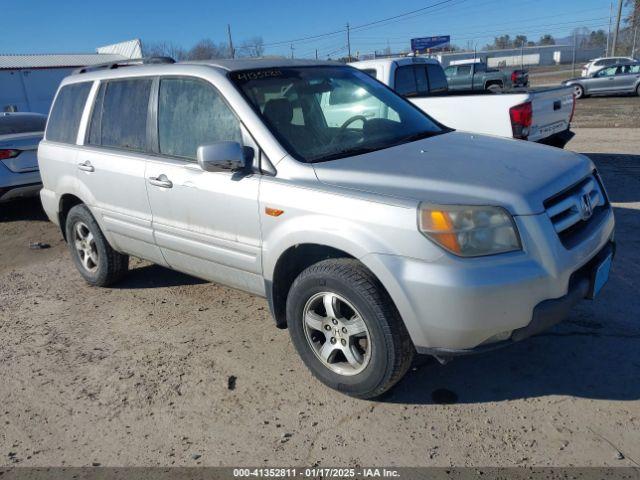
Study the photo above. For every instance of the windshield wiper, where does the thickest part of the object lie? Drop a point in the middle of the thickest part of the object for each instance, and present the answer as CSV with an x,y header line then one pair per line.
x,y
418,136
348,152
351,152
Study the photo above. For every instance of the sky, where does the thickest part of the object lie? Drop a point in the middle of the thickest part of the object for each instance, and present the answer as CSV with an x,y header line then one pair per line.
x,y
78,26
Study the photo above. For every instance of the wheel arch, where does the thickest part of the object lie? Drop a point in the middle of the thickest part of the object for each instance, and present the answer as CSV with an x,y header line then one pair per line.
x,y
293,261
494,81
66,203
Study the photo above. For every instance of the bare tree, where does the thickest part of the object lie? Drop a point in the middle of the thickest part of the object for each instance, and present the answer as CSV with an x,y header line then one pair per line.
x,y
163,49
547,39
206,49
253,47
520,41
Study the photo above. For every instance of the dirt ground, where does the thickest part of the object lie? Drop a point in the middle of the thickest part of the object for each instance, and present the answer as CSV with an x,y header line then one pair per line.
x,y
140,374
608,112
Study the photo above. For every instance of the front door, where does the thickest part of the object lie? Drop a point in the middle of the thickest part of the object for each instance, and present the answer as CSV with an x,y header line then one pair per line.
x,y
205,223
603,81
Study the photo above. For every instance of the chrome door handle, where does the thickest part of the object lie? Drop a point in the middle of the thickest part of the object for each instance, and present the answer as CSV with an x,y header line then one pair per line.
x,y
86,166
161,181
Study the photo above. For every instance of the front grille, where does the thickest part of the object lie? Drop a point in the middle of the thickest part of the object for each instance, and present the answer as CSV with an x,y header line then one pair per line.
x,y
575,211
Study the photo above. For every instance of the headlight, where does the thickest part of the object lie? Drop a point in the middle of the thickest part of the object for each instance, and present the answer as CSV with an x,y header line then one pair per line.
x,y
469,231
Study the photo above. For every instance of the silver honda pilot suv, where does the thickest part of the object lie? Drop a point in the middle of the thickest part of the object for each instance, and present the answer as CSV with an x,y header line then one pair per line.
x,y
372,240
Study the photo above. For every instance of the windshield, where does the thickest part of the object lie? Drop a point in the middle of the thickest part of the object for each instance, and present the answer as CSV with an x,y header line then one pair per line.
x,y
324,113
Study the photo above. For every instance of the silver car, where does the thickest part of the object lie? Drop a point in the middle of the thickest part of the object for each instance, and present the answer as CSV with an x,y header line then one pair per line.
x,y
20,134
372,240
623,78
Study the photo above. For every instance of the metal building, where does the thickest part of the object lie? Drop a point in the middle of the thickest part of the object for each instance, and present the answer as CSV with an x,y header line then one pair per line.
x,y
29,82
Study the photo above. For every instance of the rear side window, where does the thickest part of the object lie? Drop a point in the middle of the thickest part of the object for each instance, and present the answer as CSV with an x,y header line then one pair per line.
x,y
416,80
66,113
192,113
437,79
119,118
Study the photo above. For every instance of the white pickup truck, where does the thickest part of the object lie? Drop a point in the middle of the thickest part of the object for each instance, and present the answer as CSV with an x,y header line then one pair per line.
x,y
542,116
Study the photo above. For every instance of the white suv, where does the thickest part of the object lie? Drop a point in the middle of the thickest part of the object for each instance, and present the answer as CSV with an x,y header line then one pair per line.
x,y
373,239
598,63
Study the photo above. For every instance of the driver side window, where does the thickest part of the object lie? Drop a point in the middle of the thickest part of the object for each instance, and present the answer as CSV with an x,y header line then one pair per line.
x,y
192,113
608,72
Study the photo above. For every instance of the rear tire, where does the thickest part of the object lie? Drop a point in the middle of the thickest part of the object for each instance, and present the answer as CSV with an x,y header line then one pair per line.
x,y
638,90
365,364
98,263
495,88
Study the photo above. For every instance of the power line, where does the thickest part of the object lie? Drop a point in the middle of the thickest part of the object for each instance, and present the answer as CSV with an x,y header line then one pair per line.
x,y
513,24
327,34
538,28
402,14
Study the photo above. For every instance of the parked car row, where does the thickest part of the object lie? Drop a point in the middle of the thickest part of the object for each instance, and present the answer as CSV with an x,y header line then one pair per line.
x,y
539,115
373,230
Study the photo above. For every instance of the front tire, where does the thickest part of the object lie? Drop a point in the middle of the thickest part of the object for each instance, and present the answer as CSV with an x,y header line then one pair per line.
x,y
578,91
98,263
347,330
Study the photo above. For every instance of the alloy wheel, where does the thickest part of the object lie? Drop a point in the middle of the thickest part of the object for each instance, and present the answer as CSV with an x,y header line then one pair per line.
x,y
85,247
337,333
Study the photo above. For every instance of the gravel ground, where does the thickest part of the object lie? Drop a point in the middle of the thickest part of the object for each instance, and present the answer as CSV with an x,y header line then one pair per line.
x,y
142,374
620,111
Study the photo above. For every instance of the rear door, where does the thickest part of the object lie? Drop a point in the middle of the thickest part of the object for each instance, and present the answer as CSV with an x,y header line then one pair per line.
x,y
627,78
206,223
460,77
111,165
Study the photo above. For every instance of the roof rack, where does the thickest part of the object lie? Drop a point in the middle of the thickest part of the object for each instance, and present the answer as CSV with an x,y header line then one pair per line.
x,y
124,63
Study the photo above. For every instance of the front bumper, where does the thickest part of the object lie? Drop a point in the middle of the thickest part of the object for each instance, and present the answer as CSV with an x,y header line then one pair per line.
x,y
456,306
546,314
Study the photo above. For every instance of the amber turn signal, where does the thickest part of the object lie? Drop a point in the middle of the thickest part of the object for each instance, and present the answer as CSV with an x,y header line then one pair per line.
x,y
273,212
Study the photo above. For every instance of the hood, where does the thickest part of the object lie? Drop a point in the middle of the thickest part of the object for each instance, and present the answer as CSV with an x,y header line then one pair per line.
x,y
462,168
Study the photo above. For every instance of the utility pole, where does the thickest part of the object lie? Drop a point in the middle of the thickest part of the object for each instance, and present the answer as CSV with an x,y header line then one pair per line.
x,y
617,30
606,52
349,41
635,35
292,49
316,53
231,50
573,62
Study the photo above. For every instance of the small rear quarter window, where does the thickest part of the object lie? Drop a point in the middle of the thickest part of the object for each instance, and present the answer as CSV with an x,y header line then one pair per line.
x,y
66,113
